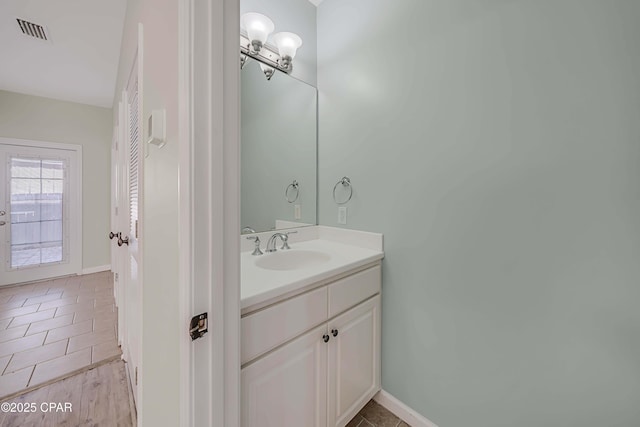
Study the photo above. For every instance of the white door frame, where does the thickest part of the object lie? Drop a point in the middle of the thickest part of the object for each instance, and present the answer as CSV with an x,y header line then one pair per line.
x,y
209,209
75,239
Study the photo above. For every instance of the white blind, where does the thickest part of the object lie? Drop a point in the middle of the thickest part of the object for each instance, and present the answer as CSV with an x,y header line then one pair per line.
x,y
134,139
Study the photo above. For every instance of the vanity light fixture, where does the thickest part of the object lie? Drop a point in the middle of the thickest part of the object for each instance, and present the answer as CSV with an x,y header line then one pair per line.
x,y
288,44
267,70
255,30
258,28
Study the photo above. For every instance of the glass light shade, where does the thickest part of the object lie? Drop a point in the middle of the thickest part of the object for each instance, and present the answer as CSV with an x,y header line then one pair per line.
x,y
267,70
288,44
258,27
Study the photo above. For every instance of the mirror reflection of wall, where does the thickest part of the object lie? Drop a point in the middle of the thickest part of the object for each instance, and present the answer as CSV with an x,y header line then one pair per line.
x,y
278,138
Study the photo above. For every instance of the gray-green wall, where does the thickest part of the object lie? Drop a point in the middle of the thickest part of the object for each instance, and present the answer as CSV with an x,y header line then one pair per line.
x,y
51,120
496,144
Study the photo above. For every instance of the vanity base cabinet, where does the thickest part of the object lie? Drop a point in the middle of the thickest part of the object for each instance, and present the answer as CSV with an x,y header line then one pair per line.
x,y
353,361
325,376
289,386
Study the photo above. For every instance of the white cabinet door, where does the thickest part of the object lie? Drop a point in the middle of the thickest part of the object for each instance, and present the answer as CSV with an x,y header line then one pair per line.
x,y
289,386
354,361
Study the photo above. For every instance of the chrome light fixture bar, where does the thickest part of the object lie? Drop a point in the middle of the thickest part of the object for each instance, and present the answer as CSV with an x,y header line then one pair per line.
x,y
267,55
256,29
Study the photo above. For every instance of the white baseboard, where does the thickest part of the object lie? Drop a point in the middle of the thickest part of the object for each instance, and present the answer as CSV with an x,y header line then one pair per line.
x,y
405,413
97,269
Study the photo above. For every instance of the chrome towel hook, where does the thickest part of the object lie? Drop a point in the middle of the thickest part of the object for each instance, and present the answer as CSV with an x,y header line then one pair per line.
x,y
293,186
346,183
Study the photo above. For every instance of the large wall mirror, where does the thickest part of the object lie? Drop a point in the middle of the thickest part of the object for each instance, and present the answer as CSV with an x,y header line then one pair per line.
x,y
279,148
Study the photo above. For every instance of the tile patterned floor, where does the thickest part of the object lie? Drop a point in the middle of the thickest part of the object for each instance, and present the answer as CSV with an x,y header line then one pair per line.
x,y
97,397
51,329
375,415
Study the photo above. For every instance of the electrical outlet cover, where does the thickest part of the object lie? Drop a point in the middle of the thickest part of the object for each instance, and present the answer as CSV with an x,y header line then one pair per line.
x,y
342,215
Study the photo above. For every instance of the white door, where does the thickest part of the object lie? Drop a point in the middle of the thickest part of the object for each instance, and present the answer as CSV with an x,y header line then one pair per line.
x,y
40,211
119,216
113,234
129,240
354,363
289,386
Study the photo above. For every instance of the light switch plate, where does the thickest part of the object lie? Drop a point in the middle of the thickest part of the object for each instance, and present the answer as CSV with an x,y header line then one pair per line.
x,y
296,212
157,128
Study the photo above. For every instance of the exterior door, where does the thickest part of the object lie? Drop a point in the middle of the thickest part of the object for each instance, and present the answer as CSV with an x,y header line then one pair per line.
x,y
40,211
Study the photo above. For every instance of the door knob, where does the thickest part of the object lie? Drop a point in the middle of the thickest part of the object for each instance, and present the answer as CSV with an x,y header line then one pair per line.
x,y
112,235
334,332
2,223
122,241
325,338
2,213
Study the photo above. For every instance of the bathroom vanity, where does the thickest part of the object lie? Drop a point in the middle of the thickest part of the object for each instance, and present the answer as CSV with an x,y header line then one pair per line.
x,y
311,329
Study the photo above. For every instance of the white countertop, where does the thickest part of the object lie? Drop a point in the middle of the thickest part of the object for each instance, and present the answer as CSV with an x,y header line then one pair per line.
x,y
259,285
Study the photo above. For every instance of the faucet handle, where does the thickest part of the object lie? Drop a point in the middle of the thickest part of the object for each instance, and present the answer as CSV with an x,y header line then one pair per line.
x,y
256,250
285,239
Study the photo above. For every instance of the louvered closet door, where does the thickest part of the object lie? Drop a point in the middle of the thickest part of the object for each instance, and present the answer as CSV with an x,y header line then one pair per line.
x,y
133,271
40,220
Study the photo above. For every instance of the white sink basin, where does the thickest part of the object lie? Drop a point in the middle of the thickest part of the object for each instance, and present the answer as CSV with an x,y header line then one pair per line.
x,y
291,259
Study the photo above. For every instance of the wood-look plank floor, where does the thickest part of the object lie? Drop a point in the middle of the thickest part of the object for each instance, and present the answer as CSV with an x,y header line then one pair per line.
x,y
98,397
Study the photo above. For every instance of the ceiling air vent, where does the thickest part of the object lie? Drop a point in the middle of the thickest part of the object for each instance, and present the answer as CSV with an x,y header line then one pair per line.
x,y
32,30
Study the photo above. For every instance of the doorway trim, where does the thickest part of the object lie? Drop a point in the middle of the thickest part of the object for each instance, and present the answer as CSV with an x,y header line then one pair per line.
x,y
209,209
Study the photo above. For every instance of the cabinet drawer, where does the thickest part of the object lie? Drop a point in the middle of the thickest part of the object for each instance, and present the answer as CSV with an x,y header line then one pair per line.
x,y
268,328
351,290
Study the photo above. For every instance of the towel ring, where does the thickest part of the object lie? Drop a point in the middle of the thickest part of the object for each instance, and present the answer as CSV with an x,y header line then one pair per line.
x,y
295,186
346,182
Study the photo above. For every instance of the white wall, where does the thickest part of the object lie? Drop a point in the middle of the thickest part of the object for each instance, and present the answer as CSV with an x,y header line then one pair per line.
x,y
160,361
496,144
45,119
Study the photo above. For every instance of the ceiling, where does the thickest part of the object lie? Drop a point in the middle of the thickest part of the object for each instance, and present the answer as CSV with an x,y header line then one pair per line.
x,y
316,2
79,63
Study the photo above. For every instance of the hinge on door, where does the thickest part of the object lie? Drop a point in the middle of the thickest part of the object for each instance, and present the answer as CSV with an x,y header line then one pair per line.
x,y
136,228
198,326
116,277
116,210
136,376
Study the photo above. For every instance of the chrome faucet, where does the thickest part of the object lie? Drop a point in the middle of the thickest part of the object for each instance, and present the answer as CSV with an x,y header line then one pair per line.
x,y
271,243
247,230
256,249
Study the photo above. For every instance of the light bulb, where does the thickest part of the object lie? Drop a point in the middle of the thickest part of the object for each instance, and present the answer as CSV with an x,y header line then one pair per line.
x,y
288,44
258,28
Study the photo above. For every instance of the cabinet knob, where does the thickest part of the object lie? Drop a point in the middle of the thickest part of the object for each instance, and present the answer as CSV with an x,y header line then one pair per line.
x,y
334,332
325,338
